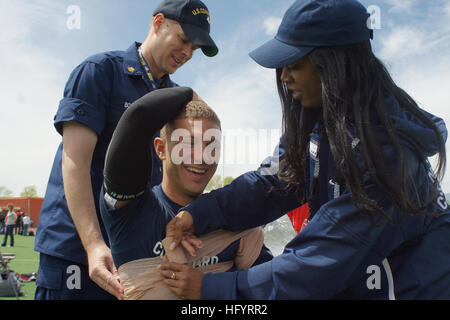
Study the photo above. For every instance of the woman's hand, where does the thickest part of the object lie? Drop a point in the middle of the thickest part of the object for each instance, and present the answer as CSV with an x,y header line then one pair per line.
x,y
181,229
183,280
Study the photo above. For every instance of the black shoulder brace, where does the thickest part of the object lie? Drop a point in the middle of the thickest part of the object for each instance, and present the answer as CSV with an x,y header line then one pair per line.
x,y
128,162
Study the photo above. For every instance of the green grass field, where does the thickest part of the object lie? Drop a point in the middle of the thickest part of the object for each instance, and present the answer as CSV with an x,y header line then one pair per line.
x,y
26,261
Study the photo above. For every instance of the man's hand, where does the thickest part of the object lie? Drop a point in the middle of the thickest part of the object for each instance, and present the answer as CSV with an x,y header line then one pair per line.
x,y
183,280
102,270
181,229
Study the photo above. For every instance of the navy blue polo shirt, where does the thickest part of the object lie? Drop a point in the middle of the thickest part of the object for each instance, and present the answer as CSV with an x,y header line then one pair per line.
x,y
97,93
137,229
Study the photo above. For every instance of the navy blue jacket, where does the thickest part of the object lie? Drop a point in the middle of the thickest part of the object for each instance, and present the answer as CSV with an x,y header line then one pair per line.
x,y
340,254
97,93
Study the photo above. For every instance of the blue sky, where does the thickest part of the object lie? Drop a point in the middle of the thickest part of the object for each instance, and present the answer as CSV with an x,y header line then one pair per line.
x,y
39,51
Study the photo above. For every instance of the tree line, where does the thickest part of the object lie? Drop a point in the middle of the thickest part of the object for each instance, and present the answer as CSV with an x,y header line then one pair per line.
x,y
28,191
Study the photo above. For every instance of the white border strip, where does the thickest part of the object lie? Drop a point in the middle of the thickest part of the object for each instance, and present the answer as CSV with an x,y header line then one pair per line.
x,y
390,279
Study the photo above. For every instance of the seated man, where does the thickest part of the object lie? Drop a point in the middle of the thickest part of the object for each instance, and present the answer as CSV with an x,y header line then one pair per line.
x,y
135,215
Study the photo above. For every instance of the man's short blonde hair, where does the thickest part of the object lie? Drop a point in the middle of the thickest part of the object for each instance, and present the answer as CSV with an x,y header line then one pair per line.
x,y
196,109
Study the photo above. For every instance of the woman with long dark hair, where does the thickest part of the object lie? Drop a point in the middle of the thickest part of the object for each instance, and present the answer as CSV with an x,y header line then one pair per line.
x,y
355,148
355,97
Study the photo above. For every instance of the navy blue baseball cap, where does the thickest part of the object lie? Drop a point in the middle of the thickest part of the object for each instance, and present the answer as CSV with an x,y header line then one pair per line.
x,y
309,24
193,16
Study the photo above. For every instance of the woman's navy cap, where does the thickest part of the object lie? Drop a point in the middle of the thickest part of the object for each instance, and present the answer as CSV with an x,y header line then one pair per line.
x,y
309,24
193,16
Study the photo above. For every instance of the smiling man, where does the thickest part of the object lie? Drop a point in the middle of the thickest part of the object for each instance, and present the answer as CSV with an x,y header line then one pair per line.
x,y
135,213
70,235
189,149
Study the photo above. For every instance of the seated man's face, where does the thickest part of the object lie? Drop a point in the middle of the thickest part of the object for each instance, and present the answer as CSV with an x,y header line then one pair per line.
x,y
192,154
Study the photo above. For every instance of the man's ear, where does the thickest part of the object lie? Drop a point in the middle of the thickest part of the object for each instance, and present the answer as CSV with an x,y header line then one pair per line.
x,y
157,22
160,148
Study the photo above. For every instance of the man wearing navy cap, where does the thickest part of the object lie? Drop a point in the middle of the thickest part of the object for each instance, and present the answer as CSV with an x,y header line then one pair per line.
x,y
75,261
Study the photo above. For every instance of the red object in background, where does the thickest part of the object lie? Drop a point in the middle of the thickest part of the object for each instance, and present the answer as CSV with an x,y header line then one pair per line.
x,y
299,217
31,206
